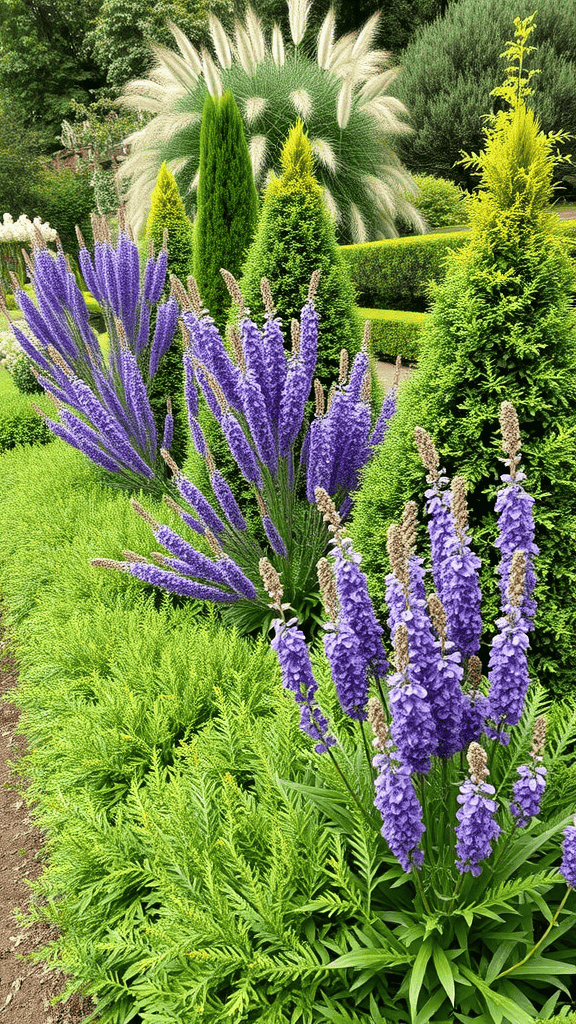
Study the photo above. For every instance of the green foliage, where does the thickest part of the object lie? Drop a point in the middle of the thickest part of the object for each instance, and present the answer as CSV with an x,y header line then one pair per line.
x,y
167,214
394,333
65,199
441,203
449,70
295,237
397,273
45,63
20,164
501,328
105,191
19,424
227,212
24,380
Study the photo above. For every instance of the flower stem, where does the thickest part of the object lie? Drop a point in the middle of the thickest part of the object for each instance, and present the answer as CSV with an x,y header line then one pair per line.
x,y
349,787
540,940
420,889
367,749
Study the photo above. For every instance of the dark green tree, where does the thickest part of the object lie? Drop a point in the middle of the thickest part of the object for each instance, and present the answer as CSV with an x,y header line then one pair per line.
x,y
227,212
449,69
502,328
167,214
45,61
20,165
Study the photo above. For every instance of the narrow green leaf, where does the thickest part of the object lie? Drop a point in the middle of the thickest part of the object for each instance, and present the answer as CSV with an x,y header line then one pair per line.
x,y
444,972
430,1007
510,1009
498,960
364,958
417,975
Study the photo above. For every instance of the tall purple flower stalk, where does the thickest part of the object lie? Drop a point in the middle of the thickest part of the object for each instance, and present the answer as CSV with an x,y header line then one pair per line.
x,y
104,406
477,829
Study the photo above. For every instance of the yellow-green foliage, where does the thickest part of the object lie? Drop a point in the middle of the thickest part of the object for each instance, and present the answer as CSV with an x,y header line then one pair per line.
x,y
394,332
167,212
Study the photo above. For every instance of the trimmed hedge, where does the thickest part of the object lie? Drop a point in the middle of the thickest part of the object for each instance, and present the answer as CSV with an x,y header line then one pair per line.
x,y
394,332
19,424
397,272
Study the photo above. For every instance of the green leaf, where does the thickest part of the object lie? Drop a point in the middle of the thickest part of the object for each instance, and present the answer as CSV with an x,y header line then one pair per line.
x,y
510,1010
417,975
363,958
498,960
444,972
430,1007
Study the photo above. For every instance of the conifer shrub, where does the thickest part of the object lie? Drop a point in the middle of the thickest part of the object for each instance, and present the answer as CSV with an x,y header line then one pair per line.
x,y
227,211
441,203
167,213
502,326
295,237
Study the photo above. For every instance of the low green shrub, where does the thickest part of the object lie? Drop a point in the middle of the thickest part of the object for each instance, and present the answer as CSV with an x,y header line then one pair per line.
x,y
24,380
19,424
397,272
394,332
442,203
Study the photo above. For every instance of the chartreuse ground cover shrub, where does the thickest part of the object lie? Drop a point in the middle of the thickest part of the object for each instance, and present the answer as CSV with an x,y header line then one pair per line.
x,y
502,325
394,332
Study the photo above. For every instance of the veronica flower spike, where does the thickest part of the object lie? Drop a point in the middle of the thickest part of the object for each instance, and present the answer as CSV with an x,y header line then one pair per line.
x,y
528,790
508,664
477,829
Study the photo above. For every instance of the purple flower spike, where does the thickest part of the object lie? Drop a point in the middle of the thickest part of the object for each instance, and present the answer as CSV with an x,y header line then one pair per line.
x,y
168,431
508,669
276,365
198,436
356,608
274,537
154,285
236,579
477,829
396,799
208,347
527,793
179,584
309,339
226,500
89,274
516,533
198,502
256,414
386,413
474,714
348,667
253,349
296,670
360,365
320,456
568,866
190,391
197,564
294,394
446,700
241,450
412,729
167,316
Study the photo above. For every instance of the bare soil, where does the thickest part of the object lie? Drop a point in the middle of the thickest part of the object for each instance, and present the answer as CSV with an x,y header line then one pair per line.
x,y
26,989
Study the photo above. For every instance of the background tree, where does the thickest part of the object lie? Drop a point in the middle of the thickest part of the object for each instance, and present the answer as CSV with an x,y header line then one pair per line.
x,y
45,61
449,69
502,328
227,203
20,165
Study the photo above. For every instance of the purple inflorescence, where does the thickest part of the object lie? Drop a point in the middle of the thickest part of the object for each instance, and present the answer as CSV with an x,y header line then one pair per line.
x,y
293,400
412,728
516,533
309,339
508,669
356,608
258,420
477,829
241,449
446,700
168,431
166,319
475,711
527,793
296,669
274,537
180,584
348,668
396,799
386,414
568,865
276,366
227,501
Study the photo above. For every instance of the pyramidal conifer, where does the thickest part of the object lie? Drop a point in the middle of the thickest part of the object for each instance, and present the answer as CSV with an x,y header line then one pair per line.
x,y
295,237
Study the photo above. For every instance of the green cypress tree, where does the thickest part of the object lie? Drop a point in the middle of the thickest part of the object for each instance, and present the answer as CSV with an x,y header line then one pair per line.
x,y
167,214
295,237
502,328
227,212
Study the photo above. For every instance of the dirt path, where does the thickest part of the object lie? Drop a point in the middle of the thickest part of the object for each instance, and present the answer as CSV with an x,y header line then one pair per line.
x,y
26,989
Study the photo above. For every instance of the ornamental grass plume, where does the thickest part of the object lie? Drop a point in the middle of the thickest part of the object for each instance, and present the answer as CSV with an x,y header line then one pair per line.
x,y
102,403
258,394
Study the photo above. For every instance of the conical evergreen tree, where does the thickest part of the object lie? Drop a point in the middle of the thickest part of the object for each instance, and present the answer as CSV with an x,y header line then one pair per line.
x,y
167,213
227,202
502,328
295,237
